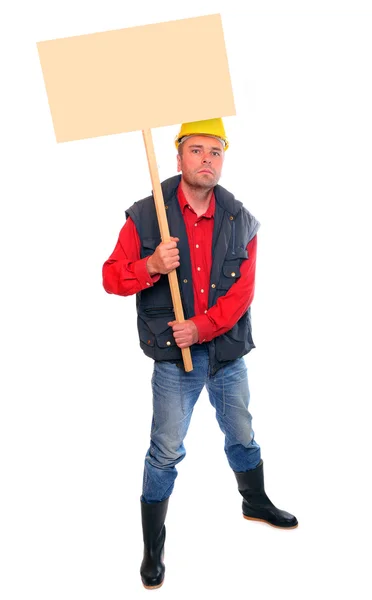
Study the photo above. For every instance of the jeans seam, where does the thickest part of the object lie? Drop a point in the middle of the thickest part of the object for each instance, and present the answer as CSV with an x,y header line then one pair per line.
x,y
223,394
153,400
182,392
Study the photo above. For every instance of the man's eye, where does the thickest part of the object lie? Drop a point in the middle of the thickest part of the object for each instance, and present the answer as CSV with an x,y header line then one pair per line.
x,y
217,153
195,150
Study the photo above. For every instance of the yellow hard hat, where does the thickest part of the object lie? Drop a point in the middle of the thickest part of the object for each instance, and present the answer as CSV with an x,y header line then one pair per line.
x,y
212,127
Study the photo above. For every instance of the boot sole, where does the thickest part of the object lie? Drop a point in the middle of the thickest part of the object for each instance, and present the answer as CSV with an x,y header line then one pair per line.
x,y
267,523
152,587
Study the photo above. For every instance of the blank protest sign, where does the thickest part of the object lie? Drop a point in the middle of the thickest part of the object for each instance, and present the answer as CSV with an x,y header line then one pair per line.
x,y
137,78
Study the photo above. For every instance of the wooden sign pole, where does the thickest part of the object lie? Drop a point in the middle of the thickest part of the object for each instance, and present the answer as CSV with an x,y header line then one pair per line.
x,y
165,236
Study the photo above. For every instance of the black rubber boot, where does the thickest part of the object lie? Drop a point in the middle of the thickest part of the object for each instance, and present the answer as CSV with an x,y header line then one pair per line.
x,y
152,567
256,505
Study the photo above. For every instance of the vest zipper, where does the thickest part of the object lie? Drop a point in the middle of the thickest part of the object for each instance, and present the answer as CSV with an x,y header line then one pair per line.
x,y
233,237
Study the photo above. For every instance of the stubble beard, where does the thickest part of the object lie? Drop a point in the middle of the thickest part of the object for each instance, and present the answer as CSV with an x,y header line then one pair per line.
x,y
198,182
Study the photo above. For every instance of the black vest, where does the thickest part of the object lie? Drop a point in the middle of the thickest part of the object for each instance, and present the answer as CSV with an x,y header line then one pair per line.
x,y
234,227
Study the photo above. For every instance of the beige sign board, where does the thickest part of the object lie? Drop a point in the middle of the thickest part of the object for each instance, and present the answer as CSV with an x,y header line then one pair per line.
x,y
137,78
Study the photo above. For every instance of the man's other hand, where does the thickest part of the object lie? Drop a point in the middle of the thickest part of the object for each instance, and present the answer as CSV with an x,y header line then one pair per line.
x,y
185,333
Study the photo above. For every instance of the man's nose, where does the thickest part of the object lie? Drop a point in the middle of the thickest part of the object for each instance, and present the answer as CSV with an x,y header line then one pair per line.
x,y
207,159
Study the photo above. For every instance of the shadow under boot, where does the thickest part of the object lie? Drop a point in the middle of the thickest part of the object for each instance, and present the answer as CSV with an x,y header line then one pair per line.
x,y
256,504
152,567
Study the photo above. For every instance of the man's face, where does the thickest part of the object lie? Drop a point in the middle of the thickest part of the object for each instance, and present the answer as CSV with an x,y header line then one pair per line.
x,y
201,161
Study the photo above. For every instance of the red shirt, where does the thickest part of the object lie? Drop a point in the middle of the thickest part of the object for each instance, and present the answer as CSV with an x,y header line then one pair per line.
x,y
124,273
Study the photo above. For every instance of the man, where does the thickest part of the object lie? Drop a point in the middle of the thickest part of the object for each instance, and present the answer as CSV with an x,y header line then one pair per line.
x,y
213,249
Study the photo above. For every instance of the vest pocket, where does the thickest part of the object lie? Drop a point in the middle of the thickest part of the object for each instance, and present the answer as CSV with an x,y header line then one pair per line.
x,y
236,342
157,320
160,311
166,340
156,335
230,273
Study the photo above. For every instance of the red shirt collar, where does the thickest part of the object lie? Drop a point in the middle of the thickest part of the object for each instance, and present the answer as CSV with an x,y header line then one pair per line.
x,y
184,203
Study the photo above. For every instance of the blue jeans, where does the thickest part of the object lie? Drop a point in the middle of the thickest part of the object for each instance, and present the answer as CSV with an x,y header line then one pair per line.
x,y
175,393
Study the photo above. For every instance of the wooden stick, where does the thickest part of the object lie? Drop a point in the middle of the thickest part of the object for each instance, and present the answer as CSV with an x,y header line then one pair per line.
x,y
165,236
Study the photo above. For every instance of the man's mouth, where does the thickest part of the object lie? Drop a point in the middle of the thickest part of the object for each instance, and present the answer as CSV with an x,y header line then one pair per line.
x,y
206,171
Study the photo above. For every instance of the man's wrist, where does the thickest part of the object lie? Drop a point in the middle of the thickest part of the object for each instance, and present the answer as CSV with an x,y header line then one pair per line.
x,y
204,327
150,268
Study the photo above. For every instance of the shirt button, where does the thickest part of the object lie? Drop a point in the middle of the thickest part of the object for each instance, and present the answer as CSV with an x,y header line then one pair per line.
x,y
168,343
198,268
202,291
197,246
231,218
205,311
233,274
213,285
196,224
147,283
185,281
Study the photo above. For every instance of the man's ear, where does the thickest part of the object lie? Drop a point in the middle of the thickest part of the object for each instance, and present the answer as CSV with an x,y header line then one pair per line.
x,y
179,169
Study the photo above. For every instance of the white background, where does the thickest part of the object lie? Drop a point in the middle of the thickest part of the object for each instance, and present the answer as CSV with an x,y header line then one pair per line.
x,y
75,397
